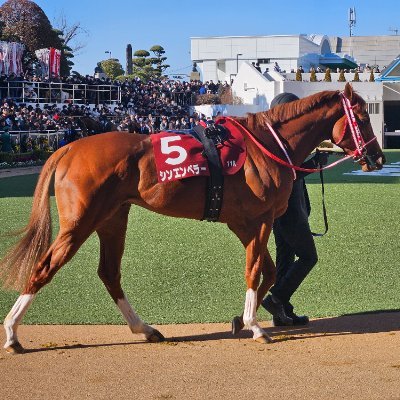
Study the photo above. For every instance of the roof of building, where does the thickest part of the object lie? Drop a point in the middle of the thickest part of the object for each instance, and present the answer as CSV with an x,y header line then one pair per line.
x,y
341,61
391,72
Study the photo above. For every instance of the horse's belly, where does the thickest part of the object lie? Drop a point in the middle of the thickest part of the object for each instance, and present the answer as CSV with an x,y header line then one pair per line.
x,y
184,198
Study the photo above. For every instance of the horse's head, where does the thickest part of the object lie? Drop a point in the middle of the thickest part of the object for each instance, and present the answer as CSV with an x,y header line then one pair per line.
x,y
353,132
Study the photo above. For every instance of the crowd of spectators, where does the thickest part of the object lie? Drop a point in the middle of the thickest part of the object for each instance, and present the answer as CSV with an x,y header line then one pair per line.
x,y
156,105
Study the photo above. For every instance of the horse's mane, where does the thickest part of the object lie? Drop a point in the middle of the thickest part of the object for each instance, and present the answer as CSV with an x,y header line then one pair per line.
x,y
286,112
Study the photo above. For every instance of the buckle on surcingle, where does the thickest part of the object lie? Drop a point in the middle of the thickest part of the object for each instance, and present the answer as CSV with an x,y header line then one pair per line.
x,y
217,133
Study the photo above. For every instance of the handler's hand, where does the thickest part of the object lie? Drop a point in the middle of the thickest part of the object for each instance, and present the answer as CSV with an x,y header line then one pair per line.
x,y
321,158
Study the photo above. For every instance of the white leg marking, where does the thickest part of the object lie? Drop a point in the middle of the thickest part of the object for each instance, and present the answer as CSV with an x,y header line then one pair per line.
x,y
135,324
249,315
15,316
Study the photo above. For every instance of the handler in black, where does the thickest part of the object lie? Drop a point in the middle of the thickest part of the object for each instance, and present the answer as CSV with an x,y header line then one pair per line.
x,y
293,238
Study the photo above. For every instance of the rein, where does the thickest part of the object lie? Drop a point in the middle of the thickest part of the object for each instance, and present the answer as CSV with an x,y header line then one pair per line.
x,y
288,163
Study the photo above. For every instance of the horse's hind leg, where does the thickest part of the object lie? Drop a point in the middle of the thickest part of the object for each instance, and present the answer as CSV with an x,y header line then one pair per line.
x,y
61,251
112,241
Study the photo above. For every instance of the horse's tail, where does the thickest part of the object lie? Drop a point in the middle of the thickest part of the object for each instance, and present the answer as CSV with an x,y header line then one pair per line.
x,y
17,265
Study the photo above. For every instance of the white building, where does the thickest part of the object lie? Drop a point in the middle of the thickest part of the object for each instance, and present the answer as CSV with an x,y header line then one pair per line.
x,y
232,58
372,50
219,58
256,91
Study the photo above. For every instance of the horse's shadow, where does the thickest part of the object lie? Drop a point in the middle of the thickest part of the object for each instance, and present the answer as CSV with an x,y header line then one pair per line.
x,y
349,324
359,323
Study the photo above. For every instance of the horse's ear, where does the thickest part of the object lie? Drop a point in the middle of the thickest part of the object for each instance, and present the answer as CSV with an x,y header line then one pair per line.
x,y
348,91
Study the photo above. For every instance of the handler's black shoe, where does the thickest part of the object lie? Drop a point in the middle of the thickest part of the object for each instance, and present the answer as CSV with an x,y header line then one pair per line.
x,y
297,320
275,307
237,325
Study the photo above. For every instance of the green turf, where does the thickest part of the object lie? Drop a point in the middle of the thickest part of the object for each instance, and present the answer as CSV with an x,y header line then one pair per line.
x,y
187,271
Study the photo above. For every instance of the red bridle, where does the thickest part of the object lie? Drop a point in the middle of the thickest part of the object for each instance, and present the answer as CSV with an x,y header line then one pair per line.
x,y
358,140
358,154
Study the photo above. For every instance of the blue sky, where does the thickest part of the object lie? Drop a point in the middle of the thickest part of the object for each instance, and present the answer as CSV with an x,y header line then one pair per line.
x,y
171,23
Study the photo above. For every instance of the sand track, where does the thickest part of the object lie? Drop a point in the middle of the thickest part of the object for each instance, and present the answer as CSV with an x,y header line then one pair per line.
x,y
350,357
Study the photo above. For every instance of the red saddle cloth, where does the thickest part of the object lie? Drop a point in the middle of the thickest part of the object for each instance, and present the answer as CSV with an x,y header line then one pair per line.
x,y
180,156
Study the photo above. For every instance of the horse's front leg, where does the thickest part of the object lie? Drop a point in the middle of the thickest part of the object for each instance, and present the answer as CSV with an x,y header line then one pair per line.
x,y
268,279
255,240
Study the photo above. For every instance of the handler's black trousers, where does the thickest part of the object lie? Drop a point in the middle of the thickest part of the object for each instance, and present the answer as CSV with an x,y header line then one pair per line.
x,y
293,239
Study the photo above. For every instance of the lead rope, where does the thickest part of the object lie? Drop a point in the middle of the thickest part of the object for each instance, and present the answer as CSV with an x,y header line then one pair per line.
x,y
324,213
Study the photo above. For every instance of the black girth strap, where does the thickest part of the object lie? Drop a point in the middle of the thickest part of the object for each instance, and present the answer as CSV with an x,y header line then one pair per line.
x,y
215,183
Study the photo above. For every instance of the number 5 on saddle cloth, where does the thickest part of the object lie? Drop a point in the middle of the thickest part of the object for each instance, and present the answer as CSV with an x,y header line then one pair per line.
x,y
214,151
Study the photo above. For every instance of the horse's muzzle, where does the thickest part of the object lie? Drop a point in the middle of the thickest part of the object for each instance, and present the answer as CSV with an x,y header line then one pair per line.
x,y
373,163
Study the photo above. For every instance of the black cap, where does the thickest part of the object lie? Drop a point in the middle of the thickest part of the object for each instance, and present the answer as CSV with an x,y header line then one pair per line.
x,y
283,98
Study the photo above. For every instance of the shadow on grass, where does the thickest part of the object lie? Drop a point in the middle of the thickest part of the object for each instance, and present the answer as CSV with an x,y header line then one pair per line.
x,y
18,186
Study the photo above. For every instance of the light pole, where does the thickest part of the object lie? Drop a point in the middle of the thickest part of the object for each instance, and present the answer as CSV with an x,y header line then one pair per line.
x,y
237,62
109,53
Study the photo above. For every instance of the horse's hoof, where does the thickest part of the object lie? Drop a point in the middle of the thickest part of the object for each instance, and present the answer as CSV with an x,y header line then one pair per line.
x,y
155,336
15,348
237,325
265,339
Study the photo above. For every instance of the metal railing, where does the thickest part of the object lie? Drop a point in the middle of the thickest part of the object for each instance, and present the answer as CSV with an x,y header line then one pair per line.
x,y
75,93
53,137
57,92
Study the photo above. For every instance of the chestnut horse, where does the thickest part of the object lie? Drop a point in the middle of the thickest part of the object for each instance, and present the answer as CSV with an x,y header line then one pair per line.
x,y
98,178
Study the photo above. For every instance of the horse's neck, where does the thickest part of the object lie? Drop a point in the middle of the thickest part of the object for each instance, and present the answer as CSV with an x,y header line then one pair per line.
x,y
304,133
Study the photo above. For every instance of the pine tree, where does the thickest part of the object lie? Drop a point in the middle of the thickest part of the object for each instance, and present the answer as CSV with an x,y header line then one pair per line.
x,y
342,78
299,76
159,59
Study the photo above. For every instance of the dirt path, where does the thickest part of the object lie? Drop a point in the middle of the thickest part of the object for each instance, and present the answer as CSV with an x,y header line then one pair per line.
x,y
351,357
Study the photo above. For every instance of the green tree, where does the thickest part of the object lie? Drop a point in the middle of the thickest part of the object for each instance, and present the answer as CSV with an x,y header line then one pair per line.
x,y
112,67
328,77
142,65
299,76
159,59
140,60
146,67
341,78
24,21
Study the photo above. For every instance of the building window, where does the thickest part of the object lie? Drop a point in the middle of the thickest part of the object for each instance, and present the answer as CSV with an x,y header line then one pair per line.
x,y
373,108
264,61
